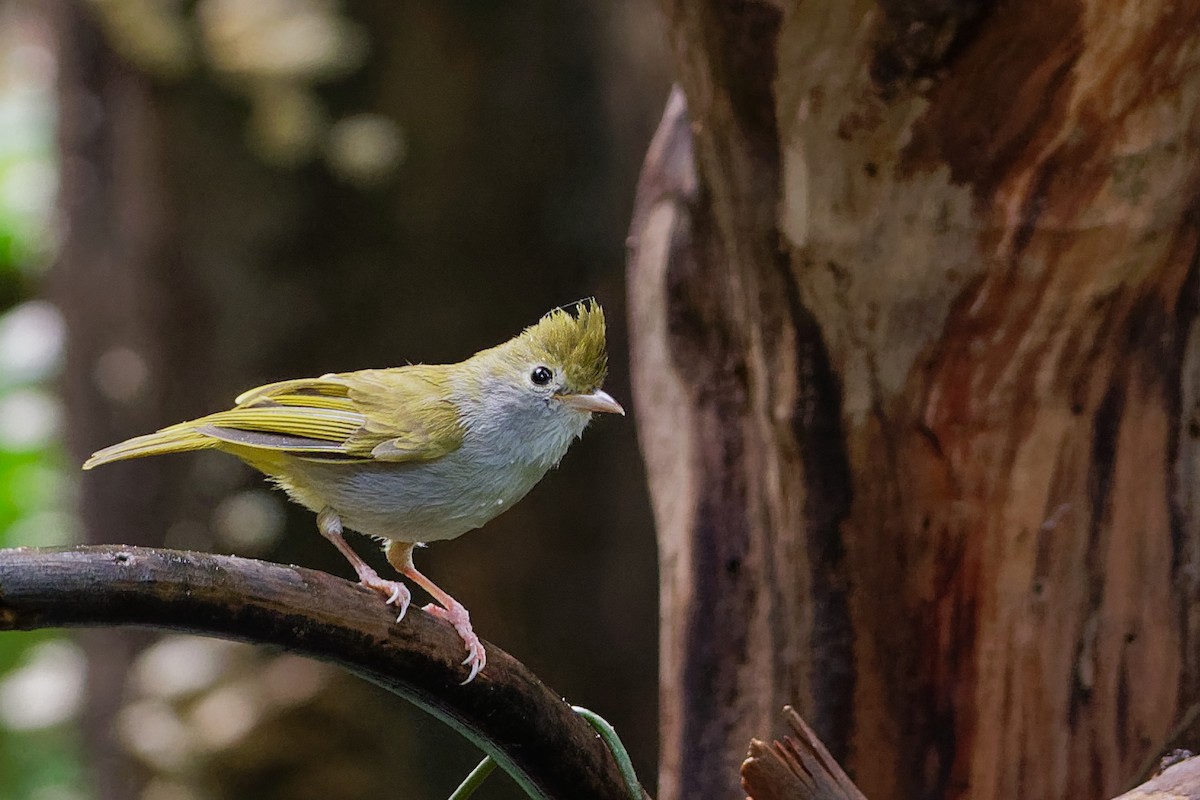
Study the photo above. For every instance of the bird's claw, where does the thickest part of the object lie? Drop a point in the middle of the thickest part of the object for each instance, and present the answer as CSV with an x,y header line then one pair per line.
x,y
458,616
395,592
401,597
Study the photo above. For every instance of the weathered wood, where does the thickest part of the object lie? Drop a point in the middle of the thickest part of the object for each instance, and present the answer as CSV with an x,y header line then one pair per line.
x,y
733,392
798,768
1006,286
1179,781
506,710
918,369
704,437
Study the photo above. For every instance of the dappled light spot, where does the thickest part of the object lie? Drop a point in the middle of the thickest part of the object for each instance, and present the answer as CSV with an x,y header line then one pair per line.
x,y
365,148
29,418
120,374
153,732
177,666
249,521
46,690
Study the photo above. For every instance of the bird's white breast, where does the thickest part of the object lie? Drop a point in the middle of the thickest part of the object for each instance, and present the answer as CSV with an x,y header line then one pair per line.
x,y
502,457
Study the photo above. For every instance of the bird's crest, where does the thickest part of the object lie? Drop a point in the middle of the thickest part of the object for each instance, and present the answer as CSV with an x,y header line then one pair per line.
x,y
576,342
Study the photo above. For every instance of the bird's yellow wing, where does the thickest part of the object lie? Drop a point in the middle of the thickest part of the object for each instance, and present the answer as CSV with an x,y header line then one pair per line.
x,y
402,414
408,413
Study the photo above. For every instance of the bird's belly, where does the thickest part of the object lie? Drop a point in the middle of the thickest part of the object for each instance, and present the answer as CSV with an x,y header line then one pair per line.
x,y
412,502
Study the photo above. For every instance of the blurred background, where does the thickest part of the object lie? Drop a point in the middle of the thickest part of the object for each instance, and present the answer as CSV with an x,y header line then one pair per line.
x,y
199,197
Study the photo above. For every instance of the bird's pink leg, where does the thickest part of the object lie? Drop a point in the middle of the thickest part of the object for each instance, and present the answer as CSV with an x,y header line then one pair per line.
x,y
399,555
396,593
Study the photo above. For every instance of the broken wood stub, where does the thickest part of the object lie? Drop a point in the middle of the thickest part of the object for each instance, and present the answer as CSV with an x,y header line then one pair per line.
x,y
797,767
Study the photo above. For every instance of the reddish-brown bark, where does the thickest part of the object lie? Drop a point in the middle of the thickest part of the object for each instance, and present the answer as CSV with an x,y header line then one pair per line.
x,y
929,331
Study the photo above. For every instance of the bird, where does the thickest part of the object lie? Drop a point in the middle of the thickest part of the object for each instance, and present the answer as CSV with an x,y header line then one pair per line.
x,y
414,454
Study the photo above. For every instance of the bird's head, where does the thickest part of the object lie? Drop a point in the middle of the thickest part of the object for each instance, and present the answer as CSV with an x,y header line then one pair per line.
x,y
562,360
565,361
545,382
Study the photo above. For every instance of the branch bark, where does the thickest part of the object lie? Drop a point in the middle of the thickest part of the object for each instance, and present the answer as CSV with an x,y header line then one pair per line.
x,y
506,710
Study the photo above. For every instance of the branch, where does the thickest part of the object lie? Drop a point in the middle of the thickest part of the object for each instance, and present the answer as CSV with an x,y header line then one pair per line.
x,y
528,729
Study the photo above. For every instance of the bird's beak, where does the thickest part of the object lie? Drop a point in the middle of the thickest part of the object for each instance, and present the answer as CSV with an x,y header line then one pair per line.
x,y
598,401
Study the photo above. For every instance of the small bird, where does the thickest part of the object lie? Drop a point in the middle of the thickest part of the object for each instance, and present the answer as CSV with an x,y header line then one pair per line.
x,y
418,453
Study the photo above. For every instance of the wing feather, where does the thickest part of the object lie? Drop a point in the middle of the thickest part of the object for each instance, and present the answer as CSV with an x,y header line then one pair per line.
x,y
329,384
264,440
401,414
409,413
312,423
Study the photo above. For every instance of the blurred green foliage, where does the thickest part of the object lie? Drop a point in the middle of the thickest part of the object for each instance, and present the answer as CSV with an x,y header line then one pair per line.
x,y
37,762
40,765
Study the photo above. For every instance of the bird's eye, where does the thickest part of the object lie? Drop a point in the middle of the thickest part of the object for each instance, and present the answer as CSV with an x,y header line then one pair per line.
x,y
541,375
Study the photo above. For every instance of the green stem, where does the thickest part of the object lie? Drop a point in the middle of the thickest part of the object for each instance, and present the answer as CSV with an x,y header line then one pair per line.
x,y
607,733
620,754
474,780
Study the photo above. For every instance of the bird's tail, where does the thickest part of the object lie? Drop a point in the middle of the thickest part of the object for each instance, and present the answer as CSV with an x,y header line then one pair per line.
x,y
176,439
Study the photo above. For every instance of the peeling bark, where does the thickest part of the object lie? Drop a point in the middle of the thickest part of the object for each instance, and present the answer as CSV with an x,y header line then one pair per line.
x,y
970,539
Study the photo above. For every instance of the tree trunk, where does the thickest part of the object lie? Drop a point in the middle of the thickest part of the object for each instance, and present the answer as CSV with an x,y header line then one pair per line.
x,y
134,321
917,374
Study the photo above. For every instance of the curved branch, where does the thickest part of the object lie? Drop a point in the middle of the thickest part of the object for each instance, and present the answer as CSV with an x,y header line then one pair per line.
x,y
506,710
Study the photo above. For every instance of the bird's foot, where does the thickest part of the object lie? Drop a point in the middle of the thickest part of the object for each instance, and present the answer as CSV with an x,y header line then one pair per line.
x,y
395,592
457,616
